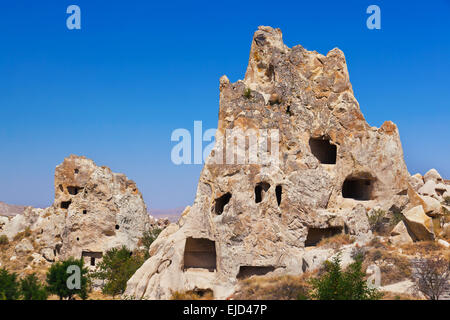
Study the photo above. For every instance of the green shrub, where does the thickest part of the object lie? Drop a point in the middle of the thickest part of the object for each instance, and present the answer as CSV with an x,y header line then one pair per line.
x,y
116,268
248,93
9,286
336,284
376,221
57,279
32,289
3,240
447,201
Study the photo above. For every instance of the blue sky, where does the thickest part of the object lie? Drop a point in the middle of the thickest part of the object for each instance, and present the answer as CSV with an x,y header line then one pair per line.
x,y
116,89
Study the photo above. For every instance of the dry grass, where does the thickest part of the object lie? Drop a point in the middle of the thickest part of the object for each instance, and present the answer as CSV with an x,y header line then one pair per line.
x,y
273,288
336,241
426,249
192,295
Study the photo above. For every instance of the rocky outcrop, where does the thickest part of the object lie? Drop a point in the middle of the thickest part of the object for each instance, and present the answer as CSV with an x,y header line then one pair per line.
x,y
94,210
401,235
419,223
327,170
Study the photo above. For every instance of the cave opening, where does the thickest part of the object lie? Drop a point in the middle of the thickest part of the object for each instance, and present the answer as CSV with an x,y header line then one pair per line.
x,y
323,150
221,202
260,190
315,235
248,271
73,190
200,253
278,192
357,188
65,204
90,257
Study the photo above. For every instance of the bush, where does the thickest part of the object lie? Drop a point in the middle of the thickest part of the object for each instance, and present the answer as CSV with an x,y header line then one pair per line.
x,y
32,289
147,239
9,286
247,93
3,240
376,221
336,284
192,295
58,276
116,268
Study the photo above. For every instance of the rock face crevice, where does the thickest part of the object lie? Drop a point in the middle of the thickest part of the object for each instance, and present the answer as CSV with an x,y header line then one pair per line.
x,y
332,168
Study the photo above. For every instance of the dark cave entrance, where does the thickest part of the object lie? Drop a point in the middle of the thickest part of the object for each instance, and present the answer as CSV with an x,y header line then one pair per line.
x,y
357,188
221,202
260,190
323,150
315,235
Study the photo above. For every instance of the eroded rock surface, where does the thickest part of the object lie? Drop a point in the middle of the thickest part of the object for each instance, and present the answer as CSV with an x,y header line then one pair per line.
x,y
259,218
94,210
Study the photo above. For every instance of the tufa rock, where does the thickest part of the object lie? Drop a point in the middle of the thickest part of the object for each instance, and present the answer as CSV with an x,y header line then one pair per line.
x,y
400,235
258,217
94,210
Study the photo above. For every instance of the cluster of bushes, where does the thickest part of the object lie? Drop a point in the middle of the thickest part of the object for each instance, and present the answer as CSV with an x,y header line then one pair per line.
x,y
331,282
28,288
57,282
338,284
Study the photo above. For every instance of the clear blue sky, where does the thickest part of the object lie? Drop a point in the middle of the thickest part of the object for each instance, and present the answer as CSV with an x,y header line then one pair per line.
x,y
116,89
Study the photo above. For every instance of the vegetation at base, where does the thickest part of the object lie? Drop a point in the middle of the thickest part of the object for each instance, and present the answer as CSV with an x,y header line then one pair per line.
x,y
9,286
432,276
283,287
338,284
116,268
32,289
147,239
248,93
57,277
382,222
192,295
3,240
24,234
447,201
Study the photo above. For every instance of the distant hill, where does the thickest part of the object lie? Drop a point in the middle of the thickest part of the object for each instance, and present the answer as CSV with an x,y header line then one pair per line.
x,y
10,209
172,214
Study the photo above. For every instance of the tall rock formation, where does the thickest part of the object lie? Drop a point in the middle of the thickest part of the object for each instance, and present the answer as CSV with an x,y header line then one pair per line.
x,y
260,217
94,210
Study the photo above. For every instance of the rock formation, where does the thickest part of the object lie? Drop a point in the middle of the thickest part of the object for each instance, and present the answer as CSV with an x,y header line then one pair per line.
x,y
94,210
257,218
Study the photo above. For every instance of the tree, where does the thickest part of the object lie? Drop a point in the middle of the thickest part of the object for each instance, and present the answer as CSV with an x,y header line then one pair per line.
x,y
32,289
336,284
72,270
9,286
432,276
116,268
